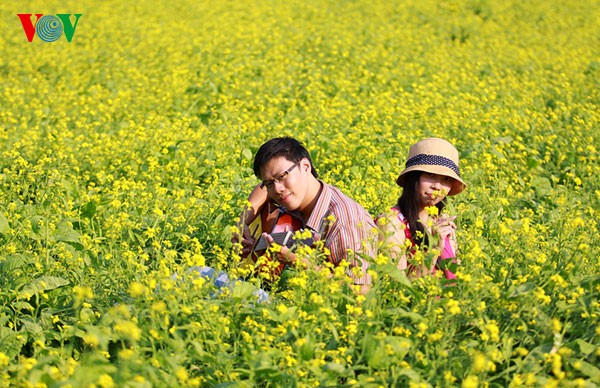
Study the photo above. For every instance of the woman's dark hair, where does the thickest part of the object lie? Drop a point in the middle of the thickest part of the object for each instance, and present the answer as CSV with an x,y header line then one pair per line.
x,y
408,203
281,147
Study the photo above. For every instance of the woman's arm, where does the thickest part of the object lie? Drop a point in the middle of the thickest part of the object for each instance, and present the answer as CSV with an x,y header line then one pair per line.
x,y
242,235
393,237
257,198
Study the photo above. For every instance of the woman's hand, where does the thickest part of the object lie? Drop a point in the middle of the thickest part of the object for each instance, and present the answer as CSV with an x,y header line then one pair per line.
x,y
445,226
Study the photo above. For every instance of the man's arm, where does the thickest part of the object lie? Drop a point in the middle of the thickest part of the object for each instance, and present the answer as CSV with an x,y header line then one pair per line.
x,y
349,242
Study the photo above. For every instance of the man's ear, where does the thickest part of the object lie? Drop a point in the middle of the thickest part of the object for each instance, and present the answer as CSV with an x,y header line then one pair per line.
x,y
305,165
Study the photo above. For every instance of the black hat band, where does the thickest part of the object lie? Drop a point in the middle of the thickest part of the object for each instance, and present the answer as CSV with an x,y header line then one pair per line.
x,y
433,160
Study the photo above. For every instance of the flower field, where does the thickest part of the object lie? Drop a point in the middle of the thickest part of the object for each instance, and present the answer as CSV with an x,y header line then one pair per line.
x,y
126,156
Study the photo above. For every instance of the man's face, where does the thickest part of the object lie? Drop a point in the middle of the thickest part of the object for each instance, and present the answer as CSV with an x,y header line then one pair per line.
x,y
286,182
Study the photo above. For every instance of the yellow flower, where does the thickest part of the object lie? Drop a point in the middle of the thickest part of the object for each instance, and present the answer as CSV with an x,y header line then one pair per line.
x,y
449,377
556,325
432,211
182,375
316,298
522,352
82,292
422,326
126,354
105,381
136,289
128,330
479,362
556,363
4,359
492,330
27,363
91,339
159,306
435,336
470,382
453,307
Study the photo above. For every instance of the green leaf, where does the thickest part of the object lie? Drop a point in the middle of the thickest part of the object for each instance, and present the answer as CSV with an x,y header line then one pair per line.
x,y
88,210
532,163
399,345
247,154
31,327
590,281
521,289
585,348
242,290
541,185
377,358
448,264
400,312
43,284
587,369
71,188
237,384
11,341
66,233
22,306
377,350
35,223
14,262
395,273
335,367
289,314
411,374
503,139
4,226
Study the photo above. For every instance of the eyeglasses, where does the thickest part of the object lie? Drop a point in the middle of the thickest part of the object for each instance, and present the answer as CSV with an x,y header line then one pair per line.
x,y
268,185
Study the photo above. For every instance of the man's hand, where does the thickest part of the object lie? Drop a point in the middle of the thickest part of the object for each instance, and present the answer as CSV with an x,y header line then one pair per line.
x,y
285,255
246,240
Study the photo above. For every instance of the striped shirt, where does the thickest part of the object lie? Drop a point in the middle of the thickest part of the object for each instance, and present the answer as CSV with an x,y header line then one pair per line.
x,y
347,228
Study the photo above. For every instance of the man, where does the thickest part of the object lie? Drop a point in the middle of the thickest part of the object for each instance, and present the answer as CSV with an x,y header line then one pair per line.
x,y
289,179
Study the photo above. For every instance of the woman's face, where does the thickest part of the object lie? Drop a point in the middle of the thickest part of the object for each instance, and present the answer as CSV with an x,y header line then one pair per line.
x,y
433,188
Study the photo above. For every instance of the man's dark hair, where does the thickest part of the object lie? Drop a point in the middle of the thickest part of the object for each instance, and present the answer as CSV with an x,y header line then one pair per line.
x,y
281,147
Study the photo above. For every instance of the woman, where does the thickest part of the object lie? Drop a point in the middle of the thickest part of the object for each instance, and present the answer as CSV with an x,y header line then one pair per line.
x,y
416,222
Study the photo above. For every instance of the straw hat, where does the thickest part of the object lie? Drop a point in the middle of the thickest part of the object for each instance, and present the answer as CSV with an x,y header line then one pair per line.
x,y
437,156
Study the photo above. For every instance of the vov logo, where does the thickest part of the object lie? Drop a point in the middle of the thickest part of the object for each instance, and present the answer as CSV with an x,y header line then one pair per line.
x,y
49,28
